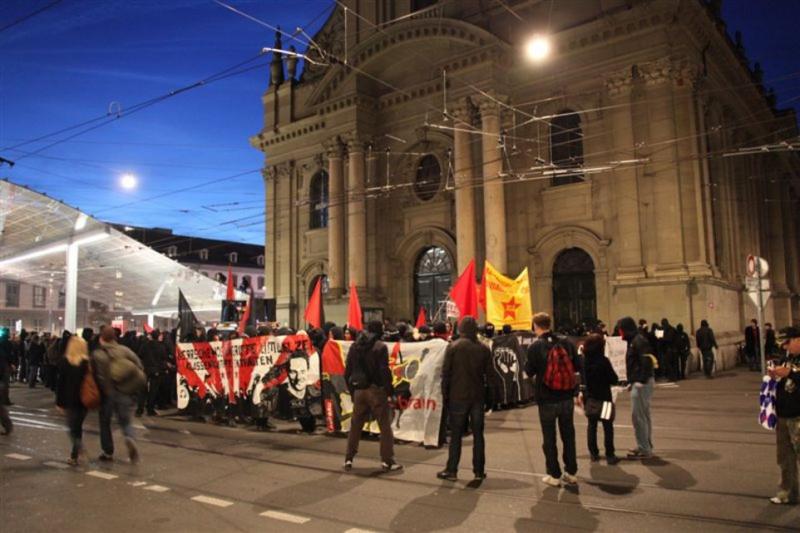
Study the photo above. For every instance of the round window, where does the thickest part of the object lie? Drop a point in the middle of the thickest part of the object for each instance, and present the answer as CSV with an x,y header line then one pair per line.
x,y
429,177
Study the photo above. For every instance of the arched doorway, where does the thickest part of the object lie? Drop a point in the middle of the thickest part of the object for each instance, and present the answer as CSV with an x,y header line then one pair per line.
x,y
433,275
574,294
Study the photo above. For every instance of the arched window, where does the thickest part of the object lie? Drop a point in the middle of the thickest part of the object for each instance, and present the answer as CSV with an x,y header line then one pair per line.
x,y
574,294
433,276
313,284
172,251
233,257
566,147
260,260
203,254
318,200
428,178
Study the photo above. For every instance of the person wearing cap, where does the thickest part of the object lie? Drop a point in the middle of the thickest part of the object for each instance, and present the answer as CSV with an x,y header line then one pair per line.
x,y
787,407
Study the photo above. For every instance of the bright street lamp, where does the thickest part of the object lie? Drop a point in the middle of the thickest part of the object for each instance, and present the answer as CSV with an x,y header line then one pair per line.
x,y
537,48
128,182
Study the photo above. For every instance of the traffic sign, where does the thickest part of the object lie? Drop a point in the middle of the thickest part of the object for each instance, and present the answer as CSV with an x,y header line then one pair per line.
x,y
756,266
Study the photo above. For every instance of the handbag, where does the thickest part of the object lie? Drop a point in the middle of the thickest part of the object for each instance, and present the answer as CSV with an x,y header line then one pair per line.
x,y
604,410
90,392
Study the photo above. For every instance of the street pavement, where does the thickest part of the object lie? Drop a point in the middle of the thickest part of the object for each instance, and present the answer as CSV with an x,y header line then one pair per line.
x,y
714,470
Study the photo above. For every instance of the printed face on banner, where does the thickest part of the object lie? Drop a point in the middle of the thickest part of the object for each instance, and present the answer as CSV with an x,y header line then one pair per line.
x,y
298,376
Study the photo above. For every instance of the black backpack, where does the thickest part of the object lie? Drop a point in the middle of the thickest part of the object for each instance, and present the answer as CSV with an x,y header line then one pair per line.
x,y
359,376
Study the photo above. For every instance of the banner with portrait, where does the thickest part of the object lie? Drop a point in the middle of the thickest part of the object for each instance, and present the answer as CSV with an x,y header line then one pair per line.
x,y
417,379
249,372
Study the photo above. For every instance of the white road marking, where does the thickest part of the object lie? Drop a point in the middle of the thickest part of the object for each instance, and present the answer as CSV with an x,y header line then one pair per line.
x,y
137,483
357,530
286,517
212,501
157,488
101,475
54,464
18,456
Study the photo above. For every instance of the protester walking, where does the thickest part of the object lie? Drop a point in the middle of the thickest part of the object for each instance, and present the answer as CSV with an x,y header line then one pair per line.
x,y
639,363
787,408
553,362
706,343
71,373
120,375
465,374
752,344
370,383
598,400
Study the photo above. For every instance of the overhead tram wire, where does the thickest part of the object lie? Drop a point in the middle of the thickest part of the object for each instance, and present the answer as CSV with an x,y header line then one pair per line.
x,y
30,15
108,117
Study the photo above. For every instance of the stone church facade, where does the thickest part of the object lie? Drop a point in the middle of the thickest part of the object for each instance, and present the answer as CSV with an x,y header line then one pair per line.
x,y
618,169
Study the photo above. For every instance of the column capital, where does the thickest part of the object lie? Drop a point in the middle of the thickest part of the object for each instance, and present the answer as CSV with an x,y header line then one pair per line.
x,y
463,110
356,142
493,104
333,148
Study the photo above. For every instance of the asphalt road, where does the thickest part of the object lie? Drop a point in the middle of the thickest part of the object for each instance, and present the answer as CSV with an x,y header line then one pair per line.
x,y
715,469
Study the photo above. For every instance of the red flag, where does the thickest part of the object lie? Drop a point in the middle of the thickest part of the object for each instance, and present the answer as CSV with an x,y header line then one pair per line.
x,y
464,293
354,310
313,315
147,328
229,293
482,291
421,318
245,316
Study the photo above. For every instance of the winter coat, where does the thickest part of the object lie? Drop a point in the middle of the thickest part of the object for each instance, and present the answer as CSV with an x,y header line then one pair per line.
x,y
705,338
638,363
536,365
467,364
68,388
600,376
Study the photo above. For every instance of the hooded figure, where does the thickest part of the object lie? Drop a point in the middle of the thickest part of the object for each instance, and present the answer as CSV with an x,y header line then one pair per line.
x,y
682,349
467,364
639,363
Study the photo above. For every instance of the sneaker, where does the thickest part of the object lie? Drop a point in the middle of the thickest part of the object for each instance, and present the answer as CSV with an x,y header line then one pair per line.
x,y
448,476
552,481
612,459
480,476
348,465
105,457
639,454
133,452
782,498
391,467
569,479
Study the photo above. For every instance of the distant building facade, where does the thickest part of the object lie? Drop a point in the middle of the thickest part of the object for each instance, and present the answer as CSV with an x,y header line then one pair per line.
x,y
618,170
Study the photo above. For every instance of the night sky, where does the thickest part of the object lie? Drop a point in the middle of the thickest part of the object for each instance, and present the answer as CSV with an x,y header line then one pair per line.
x,y
77,59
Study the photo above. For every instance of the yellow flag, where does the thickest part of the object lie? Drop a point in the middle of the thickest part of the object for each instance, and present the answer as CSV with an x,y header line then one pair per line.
x,y
508,301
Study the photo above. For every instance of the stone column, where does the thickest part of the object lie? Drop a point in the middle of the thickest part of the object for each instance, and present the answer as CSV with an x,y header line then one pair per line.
x,y
356,213
464,188
336,203
624,105
494,200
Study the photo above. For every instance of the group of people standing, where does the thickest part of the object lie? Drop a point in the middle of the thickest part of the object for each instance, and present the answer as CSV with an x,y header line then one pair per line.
x,y
562,379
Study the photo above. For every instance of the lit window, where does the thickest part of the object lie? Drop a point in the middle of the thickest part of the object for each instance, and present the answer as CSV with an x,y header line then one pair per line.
x,y
233,257
172,251
204,254
260,260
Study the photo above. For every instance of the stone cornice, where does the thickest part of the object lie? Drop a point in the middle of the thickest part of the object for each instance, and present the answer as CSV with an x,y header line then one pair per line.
x,y
681,71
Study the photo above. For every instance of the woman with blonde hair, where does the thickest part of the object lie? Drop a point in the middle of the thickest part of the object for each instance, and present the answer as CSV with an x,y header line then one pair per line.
x,y
73,368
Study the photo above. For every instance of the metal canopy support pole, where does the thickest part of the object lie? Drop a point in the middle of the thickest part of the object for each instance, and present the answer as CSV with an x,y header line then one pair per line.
x,y
71,289
151,320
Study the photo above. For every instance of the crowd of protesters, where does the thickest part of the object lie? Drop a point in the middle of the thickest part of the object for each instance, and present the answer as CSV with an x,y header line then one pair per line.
x,y
566,374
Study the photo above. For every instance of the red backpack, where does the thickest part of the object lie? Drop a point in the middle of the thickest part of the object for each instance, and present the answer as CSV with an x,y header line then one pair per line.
x,y
559,374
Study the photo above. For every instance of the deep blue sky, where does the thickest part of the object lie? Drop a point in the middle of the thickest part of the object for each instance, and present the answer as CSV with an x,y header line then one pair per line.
x,y
70,62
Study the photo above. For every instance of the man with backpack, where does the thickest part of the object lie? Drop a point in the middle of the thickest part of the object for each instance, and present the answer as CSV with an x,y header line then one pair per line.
x,y
370,383
553,361
120,376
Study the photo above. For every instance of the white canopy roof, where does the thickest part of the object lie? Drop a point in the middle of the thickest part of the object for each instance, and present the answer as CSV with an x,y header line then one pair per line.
x,y
114,269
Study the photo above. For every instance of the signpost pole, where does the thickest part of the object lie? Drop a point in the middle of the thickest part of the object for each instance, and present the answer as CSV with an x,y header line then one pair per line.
x,y
761,328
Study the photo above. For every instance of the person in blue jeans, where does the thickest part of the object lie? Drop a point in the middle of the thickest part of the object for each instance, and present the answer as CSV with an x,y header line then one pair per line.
x,y
553,361
640,367
467,363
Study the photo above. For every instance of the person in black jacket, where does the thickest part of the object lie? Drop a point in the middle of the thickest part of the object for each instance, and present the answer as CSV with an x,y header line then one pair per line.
x,y
639,365
5,370
787,407
682,349
154,356
370,382
706,343
36,353
72,369
556,405
600,376
467,363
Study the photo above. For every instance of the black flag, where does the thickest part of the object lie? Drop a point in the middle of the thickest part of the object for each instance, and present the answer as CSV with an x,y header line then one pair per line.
x,y
187,321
